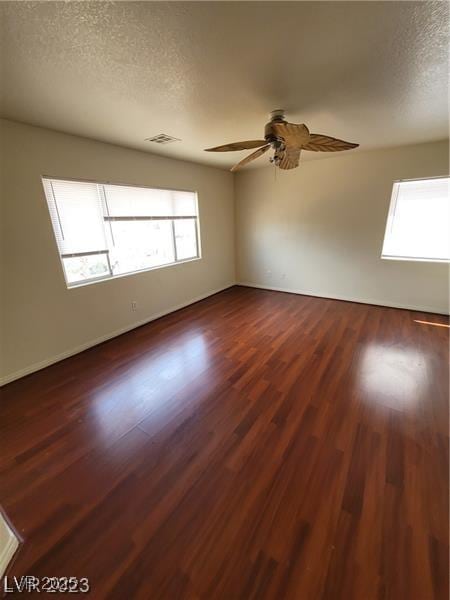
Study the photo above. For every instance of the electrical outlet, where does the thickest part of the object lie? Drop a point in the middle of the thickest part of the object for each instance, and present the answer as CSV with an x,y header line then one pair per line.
x,y
134,305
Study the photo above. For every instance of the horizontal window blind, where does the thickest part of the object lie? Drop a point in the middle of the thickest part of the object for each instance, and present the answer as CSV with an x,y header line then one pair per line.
x,y
77,216
418,224
105,230
128,201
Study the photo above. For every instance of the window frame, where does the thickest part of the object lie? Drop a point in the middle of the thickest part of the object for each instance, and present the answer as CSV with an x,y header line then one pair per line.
x,y
390,219
109,219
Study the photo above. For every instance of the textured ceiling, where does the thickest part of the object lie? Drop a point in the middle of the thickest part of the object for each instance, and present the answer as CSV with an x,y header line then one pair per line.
x,y
209,72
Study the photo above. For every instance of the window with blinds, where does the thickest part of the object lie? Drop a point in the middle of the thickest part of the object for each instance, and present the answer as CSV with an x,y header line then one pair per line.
x,y
418,224
105,230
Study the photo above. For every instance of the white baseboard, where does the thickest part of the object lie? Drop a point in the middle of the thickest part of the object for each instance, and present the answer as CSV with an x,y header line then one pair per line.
x,y
8,545
428,309
54,359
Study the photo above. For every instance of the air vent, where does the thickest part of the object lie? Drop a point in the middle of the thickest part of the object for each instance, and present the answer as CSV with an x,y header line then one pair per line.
x,y
162,138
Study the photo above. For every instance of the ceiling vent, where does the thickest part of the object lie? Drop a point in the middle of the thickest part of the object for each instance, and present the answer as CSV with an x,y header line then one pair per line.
x,y
162,138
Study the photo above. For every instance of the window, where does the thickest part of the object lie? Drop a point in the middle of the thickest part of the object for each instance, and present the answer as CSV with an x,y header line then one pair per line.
x,y
104,230
418,224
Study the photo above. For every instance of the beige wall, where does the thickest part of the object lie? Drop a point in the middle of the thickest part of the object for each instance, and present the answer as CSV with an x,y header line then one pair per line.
x,y
319,229
41,319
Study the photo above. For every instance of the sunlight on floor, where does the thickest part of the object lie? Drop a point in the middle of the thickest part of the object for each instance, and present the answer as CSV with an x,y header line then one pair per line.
x,y
431,323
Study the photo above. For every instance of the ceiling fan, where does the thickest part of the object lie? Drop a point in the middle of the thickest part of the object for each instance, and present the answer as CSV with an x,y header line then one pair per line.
x,y
287,140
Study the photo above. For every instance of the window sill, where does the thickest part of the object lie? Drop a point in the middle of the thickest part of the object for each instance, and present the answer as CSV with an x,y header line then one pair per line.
x,y
71,286
413,259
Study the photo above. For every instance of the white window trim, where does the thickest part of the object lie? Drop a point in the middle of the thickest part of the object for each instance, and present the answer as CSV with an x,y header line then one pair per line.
x,y
390,218
120,275
111,276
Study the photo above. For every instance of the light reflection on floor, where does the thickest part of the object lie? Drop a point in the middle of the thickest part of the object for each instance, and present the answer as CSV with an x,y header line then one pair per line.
x,y
394,376
149,383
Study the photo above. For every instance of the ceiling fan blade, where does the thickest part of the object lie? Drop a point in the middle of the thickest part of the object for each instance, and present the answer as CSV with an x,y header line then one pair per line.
x,y
250,157
290,159
325,143
294,136
237,146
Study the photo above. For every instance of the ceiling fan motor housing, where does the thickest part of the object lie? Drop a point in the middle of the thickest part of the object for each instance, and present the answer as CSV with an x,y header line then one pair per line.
x,y
276,116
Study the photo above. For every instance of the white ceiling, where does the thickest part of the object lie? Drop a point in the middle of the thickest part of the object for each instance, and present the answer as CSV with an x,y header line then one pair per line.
x,y
209,72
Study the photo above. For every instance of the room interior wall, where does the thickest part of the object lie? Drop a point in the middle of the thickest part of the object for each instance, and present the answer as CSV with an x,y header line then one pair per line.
x,y
319,229
43,321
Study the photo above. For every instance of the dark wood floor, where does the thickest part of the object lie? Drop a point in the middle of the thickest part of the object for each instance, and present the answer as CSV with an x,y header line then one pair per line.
x,y
254,445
